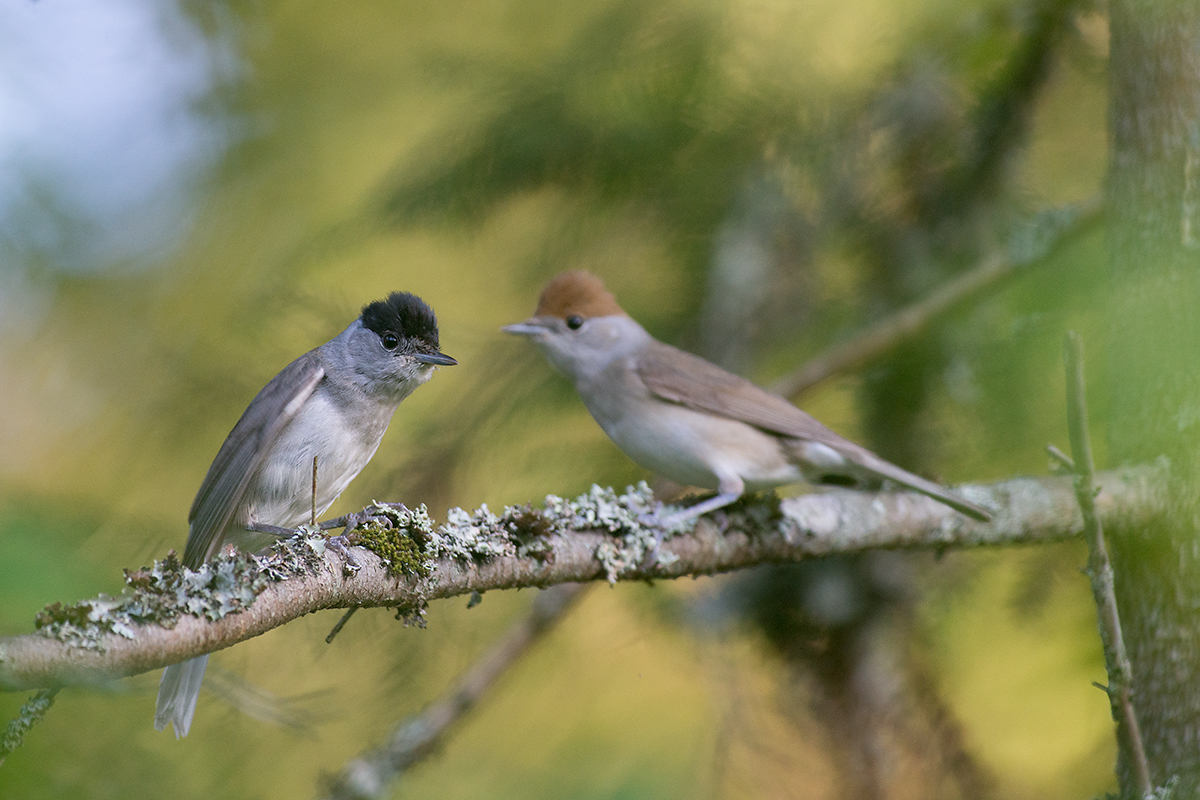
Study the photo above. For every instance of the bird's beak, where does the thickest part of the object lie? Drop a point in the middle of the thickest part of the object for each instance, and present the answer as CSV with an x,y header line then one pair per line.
x,y
439,359
534,326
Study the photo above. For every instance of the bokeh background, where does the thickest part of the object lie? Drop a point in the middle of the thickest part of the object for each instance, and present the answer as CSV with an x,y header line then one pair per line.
x,y
192,194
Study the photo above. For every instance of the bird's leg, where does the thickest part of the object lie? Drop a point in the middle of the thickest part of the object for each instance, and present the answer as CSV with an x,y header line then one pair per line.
x,y
274,530
341,545
359,519
711,504
729,490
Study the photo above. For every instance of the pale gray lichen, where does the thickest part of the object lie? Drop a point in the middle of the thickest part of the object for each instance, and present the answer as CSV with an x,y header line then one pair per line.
x,y
475,536
602,508
159,594
637,519
633,518
31,713
1164,792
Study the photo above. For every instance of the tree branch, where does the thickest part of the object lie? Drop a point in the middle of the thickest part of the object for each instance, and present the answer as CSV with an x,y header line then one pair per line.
x,y
417,737
31,714
1120,673
1044,234
597,535
1006,108
369,775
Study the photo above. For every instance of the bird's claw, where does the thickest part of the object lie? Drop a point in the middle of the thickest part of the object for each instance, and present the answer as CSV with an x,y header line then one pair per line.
x,y
659,526
651,518
378,514
340,544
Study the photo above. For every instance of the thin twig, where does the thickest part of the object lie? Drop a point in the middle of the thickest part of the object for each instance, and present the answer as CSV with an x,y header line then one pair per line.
x,y
341,623
313,519
295,712
1120,673
32,712
1063,460
369,775
1045,233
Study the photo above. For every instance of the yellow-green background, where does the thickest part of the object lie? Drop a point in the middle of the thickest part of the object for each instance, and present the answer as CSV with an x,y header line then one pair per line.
x,y
113,403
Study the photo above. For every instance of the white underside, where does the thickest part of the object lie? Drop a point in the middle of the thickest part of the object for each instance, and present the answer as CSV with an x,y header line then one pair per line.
x,y
282,491
703,450
282,495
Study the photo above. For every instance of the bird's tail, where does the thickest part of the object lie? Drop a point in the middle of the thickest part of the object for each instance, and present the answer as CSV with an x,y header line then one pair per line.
x,y
177,694
886,469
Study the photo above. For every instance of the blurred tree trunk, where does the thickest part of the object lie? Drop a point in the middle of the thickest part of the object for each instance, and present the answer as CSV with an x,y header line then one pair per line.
x,y
1154,363
843,625
845,629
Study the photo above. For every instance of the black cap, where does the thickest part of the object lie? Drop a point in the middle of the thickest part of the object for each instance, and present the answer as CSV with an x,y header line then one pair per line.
x,y
404,314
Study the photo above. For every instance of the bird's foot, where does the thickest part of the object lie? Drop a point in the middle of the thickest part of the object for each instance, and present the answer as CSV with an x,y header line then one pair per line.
x,y
340,544
653,518
660,527
377,514
689,514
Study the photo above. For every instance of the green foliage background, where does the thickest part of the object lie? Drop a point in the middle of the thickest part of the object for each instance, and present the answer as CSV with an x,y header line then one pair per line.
x,y
467,152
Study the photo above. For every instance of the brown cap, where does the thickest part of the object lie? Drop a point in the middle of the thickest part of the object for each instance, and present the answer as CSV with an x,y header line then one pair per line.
x,y
577,292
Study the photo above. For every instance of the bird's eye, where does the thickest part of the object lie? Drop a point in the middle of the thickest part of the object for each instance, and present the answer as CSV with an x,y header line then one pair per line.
x,y
574,322
390,341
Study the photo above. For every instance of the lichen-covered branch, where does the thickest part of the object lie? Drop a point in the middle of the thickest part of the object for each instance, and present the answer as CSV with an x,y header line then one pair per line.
x,y
169,613
31,714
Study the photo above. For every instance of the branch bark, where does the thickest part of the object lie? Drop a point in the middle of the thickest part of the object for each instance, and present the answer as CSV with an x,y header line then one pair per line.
x,y
761,530
414,739
1151,369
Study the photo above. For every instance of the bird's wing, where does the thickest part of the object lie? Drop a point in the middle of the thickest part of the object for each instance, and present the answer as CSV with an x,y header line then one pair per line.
x,y
680,377
243,452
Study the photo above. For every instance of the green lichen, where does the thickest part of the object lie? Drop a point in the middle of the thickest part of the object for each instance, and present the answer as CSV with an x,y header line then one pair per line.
x,y
398,536
399,551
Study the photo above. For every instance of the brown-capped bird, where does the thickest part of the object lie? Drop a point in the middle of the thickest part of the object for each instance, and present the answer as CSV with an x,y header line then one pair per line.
x,y
686,418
